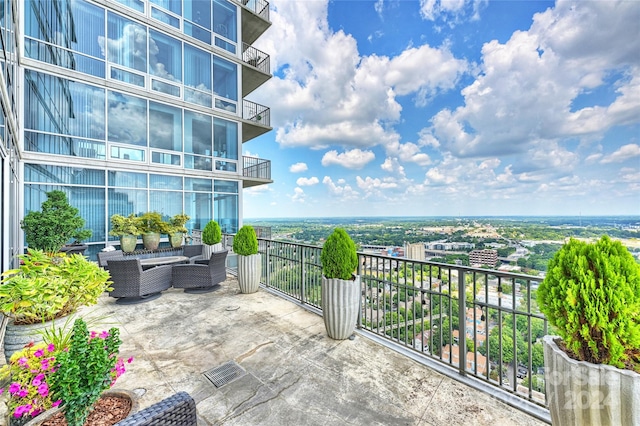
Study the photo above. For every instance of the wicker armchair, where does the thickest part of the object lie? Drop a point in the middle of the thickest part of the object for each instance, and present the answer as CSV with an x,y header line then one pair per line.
x,y
193,252
133,285
177,410
105,256
201,277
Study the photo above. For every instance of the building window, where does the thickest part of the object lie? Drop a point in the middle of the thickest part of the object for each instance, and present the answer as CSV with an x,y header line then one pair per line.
x,y
165,127
126,44
127,119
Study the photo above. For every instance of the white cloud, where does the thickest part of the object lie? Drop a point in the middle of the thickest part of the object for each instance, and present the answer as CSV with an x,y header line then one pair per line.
x,y
329,94
392,165
408,152
370,183
528,85
340,190
448,10
303,181
625,153
246,153
298,195
353,159
298,168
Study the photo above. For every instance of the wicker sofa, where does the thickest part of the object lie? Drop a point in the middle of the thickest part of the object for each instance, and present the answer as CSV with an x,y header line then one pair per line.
x,y
177,410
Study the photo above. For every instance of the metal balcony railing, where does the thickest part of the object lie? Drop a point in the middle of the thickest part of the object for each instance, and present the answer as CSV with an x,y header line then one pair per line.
x,y
256,58
259,7
254,167
255,112
435,312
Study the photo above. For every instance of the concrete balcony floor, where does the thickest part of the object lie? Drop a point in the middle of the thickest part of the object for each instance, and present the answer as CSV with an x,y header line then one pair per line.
x,y
295,374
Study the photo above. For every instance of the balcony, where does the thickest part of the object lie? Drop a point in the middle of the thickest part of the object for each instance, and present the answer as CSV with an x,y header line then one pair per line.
x,y
255,19
257,120
255,171
256,68
279,366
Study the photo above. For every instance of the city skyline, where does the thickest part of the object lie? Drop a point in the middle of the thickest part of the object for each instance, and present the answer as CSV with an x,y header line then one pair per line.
x,y
467,108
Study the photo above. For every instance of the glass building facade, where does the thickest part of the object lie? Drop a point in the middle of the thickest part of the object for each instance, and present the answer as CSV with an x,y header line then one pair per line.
x,y
128,106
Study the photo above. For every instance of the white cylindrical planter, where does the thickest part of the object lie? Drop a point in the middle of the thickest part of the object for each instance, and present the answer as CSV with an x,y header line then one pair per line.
x,y
340,306
209,249
249,273
582,393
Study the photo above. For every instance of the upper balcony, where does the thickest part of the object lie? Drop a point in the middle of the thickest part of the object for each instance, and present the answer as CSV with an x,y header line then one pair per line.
x,y
255,171
256,68
256,120
255,19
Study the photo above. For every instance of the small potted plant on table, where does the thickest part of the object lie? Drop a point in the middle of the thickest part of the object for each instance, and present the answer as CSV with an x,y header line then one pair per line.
x,y
591,296
340,285
176,229
152,226
245,245
127,229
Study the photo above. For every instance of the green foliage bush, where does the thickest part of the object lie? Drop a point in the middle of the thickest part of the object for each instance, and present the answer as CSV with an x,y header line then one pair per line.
x,y
53,226
124,225
84,371
591,294
153,222
211,234
177,222
46,287
339,256
245,243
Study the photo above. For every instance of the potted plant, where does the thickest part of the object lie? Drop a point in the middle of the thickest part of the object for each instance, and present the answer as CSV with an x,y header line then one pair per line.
x,y
340,286
176,229
245,245
151,226
127,229
211,237
591,296
65,377
45,288
56,224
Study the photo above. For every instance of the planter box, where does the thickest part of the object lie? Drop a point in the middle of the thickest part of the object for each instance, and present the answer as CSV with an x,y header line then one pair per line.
x,y
340,306
581,393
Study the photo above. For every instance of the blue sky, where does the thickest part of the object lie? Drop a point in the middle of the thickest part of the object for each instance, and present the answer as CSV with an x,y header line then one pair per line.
x,y
460,107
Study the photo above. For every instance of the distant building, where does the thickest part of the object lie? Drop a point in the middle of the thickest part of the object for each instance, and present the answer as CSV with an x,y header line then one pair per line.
x,y
448,246
483,257
414,251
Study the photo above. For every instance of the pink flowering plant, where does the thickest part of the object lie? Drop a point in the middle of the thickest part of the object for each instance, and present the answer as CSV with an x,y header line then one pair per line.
x,y
42,376
29,372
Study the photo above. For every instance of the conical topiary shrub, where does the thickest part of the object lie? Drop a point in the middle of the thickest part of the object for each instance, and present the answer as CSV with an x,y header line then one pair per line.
x,y
245,245
211,237
340,287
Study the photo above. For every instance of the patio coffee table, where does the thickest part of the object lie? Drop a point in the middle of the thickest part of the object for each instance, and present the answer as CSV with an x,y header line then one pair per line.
x,y
165,260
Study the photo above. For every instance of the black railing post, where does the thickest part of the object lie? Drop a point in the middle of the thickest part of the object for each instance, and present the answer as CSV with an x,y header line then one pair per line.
x,y
268,263
462,325
303,287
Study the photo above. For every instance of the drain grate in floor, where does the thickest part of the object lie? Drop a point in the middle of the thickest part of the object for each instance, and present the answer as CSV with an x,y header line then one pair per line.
x,y
224,374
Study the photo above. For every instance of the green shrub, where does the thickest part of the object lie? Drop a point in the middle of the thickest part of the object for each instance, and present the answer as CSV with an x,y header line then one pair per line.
x,y
177,222
211,234
591,294
153,222
46,287
339,256
245,243
124,225
56,224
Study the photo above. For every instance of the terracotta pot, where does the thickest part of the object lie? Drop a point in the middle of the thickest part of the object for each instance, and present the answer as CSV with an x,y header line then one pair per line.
x,y
120,393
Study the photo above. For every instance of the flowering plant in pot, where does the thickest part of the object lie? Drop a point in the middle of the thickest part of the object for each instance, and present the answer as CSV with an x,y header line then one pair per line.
x,y
591,296
71,374
340,285
245,245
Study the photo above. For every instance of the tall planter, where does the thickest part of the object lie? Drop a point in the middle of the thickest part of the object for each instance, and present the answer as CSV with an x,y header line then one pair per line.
x,y
151,240
128,243
340,306
17,336
582,393
209,249
249,273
